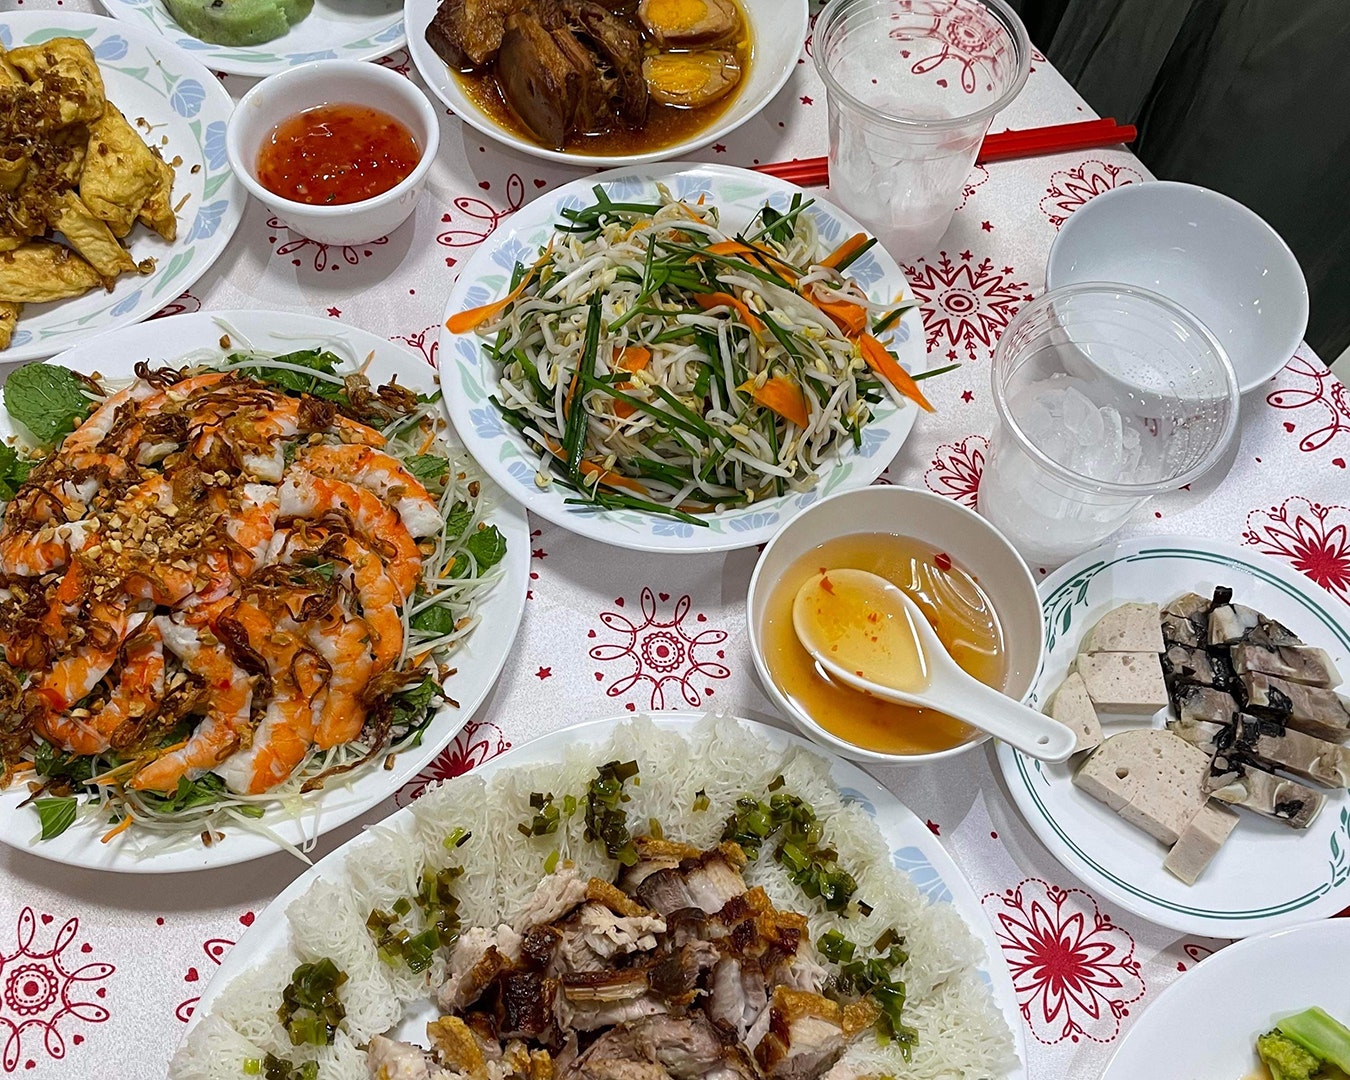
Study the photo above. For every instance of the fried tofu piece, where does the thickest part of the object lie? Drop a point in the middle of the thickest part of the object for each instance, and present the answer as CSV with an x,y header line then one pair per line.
x,y
120,172
14,163
9,316
39,272
157,212
64,67
90,237
9,74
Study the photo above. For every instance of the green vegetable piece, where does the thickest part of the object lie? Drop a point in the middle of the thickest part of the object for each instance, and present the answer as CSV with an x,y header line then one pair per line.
x,y
410,707
434,620
56,815
1320,1034
252,1066
606,822
14,471
487,546
293,381
701,801
47,399
431,469
1286,1059
310,1007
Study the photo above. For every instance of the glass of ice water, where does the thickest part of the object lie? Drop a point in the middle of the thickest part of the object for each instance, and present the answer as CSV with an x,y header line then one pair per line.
x,y
911,87
1106,395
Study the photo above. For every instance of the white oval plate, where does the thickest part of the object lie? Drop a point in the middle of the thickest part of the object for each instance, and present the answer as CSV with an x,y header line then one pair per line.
x,y
777,30
914,849
334,30
1206,1023
478,662
512,462
187,109
1267,875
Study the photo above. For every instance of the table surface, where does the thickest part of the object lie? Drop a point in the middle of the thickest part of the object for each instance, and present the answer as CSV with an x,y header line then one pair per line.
x,y
610,632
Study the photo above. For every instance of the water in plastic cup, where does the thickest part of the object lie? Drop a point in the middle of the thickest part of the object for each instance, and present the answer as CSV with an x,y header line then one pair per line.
x,y
1106,395
911,88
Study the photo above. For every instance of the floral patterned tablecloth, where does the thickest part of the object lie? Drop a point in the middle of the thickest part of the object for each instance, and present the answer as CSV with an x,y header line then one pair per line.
x,y
99,972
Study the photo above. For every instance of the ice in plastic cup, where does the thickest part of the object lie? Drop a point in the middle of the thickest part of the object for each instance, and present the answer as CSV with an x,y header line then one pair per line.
x,y
911,87
1106,395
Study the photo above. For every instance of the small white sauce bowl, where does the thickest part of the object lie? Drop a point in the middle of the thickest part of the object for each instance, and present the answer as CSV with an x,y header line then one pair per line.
x,y
334,82
949,527
1201,250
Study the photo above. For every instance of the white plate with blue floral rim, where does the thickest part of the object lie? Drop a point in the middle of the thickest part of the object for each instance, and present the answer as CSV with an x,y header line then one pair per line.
x,y
471,378
914,849
186,109
477,663
333,30
1267,875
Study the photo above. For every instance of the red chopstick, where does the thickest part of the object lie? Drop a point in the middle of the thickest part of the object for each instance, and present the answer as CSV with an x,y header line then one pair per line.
x,y
1002,146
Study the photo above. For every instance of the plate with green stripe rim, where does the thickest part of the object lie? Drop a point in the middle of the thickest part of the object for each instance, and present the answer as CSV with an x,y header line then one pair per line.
x,y
1266,876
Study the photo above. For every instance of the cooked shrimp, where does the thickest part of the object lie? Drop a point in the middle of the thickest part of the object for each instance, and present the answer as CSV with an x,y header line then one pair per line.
x,y
90,433
381,473
286,732
346,650
305,495
253,526
139,686
75,674
226,723
32,554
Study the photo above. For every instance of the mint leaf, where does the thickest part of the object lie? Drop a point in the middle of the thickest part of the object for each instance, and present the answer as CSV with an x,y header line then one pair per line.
x,y
428,468
47,399
56,815
293,381
458,520
411,707
434,620
488,546
14,471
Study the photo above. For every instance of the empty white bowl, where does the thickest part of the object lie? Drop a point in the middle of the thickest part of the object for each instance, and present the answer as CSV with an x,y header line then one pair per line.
x,y
777,29
1201,250
947,525
334,82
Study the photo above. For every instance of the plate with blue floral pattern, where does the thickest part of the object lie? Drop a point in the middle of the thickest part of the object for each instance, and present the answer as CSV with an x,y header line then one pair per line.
x,y
470,377
178,107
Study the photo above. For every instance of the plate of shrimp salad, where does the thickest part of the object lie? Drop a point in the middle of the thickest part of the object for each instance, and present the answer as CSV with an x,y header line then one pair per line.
x,y
250,586
675,358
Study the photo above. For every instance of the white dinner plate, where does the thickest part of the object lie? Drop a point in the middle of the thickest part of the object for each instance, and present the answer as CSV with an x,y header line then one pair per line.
x,y
913,847
477,662
1267,875
186,109
777,30
513,462
334,30
1206,1023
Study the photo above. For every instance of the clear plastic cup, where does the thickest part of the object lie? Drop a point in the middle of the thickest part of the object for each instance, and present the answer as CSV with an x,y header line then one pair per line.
x,y
911,87
1106,395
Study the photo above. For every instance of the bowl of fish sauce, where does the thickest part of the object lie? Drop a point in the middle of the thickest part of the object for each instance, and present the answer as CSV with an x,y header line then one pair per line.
x,y
337,149
969,582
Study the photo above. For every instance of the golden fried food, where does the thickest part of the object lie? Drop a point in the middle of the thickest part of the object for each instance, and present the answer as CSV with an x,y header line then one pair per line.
x,y
40,271
64,68
119,172
72,169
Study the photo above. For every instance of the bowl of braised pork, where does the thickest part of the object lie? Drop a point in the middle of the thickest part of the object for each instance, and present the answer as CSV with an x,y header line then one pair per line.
x,y
605,84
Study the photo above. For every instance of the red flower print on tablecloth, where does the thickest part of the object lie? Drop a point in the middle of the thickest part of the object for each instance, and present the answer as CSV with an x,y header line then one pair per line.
x,y
1313,538
215,949
325,256
475,219
426,341
969,39
1196,952
1309,384
40,988
957,468
978,176
1073,969
184,305
661,653
965,304
1071,188
478,741
399,60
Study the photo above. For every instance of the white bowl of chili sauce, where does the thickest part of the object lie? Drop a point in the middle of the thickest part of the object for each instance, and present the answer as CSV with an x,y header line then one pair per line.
x,y
338,149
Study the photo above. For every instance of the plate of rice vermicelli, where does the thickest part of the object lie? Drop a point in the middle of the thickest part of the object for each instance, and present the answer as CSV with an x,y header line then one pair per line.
x,y
678,358
665,898
251,585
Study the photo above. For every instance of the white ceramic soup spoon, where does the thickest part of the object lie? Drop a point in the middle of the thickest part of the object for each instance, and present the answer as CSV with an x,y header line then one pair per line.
x,y
868,634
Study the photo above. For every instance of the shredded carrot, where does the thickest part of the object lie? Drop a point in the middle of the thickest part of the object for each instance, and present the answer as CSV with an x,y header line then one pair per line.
x,y
701,196
844,250
720,299
849,317
754,254
426,443
590,468
121,826
476,317
634,358
685,207
781,395
571,393
885,365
